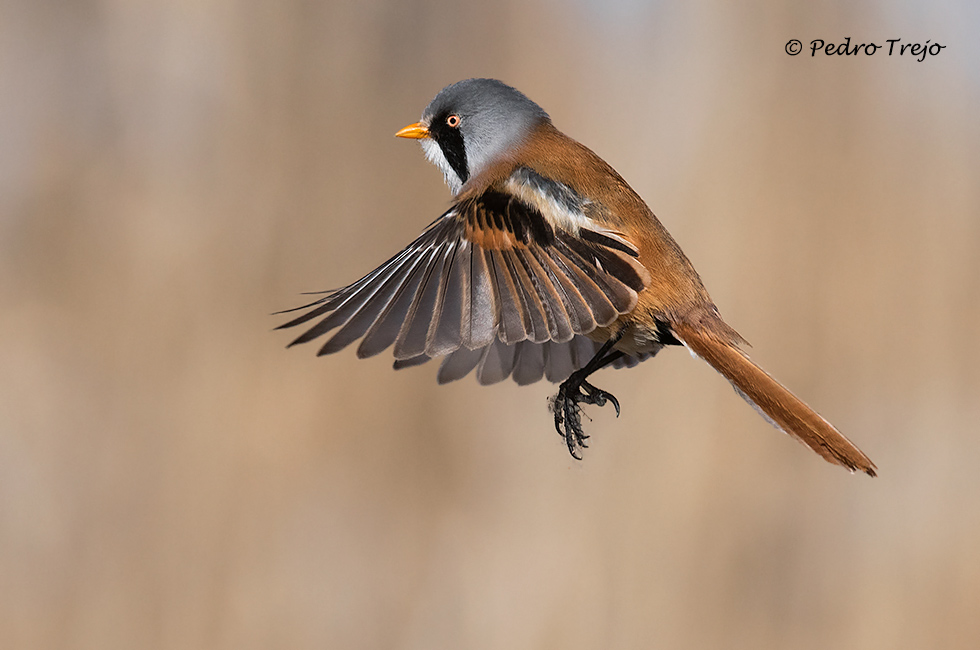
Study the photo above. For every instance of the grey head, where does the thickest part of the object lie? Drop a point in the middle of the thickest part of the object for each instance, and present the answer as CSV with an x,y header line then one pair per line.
x,y
471,123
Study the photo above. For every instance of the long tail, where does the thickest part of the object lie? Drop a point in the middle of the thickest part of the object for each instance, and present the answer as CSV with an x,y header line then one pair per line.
x,y
782,408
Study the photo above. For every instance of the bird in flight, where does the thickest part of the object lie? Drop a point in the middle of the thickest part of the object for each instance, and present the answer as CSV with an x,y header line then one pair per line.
x,y
547,264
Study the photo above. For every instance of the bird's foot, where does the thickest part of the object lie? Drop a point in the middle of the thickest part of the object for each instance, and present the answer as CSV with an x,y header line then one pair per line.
x,y
568,414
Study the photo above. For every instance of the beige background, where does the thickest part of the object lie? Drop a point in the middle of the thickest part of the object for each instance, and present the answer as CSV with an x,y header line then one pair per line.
x,y
171,172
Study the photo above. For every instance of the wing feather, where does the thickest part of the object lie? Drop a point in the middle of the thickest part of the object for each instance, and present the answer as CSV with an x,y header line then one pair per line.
x,y
535,321
496,363
458,364
529,363
601,308
558,363
411,339
446,329
483,306
497,285
510,316
385,329
580,316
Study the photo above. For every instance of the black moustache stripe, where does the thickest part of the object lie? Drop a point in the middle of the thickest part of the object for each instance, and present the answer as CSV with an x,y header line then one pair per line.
x,y
450,140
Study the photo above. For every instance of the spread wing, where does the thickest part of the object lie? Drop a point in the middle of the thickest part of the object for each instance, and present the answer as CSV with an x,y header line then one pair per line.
x,y
508,279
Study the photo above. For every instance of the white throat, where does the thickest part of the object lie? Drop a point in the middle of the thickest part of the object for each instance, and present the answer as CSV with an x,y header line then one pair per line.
x,y
434,153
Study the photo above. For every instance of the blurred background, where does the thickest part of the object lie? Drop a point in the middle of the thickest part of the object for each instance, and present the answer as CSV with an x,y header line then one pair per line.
x,y
172,477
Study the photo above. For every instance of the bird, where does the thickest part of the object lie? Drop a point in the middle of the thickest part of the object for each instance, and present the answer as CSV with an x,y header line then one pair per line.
x,y
546,265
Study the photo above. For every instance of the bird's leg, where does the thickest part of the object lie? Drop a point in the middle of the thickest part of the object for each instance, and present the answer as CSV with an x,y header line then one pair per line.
x,y
576,390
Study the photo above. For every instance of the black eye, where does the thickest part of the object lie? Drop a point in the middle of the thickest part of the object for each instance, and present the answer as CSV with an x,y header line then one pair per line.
x,y
453,121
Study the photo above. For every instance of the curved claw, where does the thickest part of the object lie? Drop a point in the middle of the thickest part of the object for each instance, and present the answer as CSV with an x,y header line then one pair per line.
x,y
600,397
568,414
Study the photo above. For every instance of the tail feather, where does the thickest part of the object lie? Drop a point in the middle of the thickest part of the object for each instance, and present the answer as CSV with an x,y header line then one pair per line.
x,y
774,402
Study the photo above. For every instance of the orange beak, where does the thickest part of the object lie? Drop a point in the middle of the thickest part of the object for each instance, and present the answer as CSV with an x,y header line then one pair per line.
x,y
415,131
